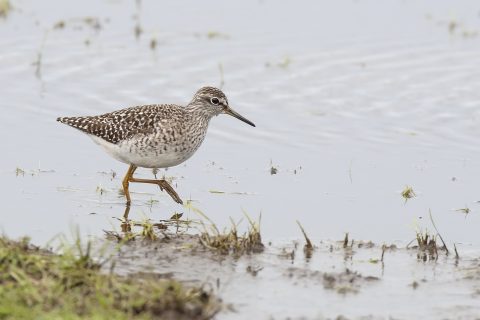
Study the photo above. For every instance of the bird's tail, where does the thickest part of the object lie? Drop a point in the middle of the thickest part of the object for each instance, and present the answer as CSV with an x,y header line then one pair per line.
x,y
76,122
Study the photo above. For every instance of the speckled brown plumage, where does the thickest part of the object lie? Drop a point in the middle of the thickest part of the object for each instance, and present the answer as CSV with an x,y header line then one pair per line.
x,y
126,123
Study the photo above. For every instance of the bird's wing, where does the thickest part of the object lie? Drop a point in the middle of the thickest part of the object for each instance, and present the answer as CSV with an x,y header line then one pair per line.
x,y
123,124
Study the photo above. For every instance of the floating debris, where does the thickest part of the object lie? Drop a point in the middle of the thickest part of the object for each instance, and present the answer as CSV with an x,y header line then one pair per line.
x,y
100,189
342,282
78,23
176,216
93,23
148,231
222,80
153,46
452,26
408,193
217,191
19,171
217,35
233,192
470,33
137,31
465,210
283,64
5,8
59,25
254,270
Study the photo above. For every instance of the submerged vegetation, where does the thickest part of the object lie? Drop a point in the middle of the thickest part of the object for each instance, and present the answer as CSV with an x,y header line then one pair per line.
x,y
209,236
39,284
231,242
427,246
427,243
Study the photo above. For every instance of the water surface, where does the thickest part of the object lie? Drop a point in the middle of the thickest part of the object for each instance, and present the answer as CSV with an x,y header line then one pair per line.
x,y
353,100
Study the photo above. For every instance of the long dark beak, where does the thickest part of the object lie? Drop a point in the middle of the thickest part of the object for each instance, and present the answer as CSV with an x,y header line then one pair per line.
x,y
229,111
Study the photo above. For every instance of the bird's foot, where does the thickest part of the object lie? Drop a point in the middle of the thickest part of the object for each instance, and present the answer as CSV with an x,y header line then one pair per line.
x,y
165,186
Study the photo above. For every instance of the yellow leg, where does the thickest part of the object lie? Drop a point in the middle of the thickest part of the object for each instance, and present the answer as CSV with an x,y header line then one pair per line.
x,y
163,184
125,225
126,181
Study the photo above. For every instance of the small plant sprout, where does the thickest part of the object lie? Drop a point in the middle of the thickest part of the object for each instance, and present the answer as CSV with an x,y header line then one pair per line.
x,y
19,172
465,211
153,44
273,169
176,216
308,245
345,240
408,193
284,63
148,231
100,189
216,35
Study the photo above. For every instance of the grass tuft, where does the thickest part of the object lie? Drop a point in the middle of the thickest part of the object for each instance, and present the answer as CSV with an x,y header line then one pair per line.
x,y
39,284
230,241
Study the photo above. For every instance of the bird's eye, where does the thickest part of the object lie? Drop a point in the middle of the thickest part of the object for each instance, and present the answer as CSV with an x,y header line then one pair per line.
x,y
215,101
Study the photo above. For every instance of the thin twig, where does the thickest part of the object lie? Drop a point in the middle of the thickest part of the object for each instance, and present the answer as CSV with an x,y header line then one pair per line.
x,y
309,245
439,235
345,241
457,256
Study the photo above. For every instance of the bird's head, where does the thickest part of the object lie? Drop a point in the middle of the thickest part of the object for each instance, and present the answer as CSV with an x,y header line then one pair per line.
x,y
214,102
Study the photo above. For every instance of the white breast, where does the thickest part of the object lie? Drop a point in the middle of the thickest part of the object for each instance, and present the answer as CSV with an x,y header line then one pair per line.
x,y
128,153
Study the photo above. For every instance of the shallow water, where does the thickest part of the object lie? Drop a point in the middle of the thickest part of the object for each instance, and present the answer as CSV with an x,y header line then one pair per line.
x,y
350,110
334,282
353,100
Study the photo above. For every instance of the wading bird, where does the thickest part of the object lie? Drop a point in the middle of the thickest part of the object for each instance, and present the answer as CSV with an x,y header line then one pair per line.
x,y
155,136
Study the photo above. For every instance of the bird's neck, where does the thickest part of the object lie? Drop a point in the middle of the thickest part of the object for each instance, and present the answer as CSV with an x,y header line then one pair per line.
x,y
199,111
